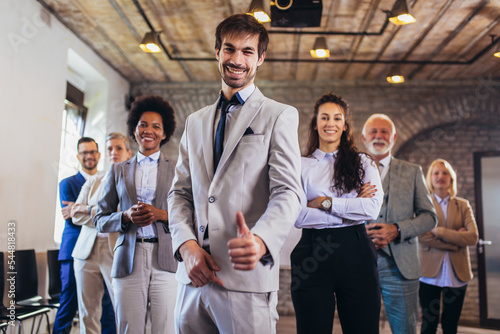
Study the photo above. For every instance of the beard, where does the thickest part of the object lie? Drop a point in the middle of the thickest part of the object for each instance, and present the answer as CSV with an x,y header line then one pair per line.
x,y
236,83
379,150
90,164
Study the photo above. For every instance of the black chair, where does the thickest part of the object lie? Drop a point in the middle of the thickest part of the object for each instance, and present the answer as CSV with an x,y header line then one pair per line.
x,y
54,267
19,313
3,326
27,282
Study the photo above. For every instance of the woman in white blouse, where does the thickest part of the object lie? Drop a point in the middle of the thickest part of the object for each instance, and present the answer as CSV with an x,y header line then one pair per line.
x,y
444,253
335,259
143,270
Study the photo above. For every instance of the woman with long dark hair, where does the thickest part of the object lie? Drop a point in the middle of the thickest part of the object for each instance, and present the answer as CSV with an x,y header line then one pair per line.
x,y
335,259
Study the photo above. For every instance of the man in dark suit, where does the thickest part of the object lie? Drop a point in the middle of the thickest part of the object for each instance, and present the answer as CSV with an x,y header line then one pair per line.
x,y
407,212
69,188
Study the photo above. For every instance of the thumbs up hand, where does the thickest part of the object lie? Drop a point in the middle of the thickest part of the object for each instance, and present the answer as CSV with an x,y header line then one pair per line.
x,y
247,249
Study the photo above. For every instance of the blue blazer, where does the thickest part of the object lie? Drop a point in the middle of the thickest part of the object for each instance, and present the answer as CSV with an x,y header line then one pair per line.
x,y
69,188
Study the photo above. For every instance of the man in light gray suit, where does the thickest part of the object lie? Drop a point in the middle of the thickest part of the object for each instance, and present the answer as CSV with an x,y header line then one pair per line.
x,y
235,195
407,212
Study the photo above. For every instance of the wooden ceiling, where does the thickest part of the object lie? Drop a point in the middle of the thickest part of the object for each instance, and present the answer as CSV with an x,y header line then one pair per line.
x,y
444,44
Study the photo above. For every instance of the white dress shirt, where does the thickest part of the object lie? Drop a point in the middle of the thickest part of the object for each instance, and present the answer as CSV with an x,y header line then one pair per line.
x,y
347,209
145,184
446,276
384,166
233,111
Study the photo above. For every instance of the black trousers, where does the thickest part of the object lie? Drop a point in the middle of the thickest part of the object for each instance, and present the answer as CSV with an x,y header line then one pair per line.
x,y
335,264
430,301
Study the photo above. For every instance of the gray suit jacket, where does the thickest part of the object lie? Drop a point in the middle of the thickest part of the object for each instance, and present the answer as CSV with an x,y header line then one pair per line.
x,y
258,174
120,189
410,206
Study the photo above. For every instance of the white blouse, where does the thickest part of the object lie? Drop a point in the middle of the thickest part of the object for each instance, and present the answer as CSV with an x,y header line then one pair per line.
x,y
347,209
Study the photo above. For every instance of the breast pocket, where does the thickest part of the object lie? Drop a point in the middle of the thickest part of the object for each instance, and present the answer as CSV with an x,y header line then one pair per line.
x,y
255,138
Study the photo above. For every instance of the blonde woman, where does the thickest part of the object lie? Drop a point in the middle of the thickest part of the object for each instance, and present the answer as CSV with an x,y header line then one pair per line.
x,y
444,253
92,254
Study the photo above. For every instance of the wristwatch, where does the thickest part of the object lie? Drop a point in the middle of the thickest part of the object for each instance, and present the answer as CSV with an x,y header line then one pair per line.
x,y
326,204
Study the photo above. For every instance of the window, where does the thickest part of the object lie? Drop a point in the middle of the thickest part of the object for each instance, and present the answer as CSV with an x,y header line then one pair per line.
x,y
73,126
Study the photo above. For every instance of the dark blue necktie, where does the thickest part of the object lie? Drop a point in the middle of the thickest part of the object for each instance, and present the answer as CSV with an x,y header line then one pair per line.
x,y
221,127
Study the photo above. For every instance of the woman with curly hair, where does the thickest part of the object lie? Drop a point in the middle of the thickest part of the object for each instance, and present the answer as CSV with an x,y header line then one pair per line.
x,y
134,204
335,259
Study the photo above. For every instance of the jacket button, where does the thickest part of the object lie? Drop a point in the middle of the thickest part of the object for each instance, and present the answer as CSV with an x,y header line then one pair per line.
x,y
211,199
381,216
202,229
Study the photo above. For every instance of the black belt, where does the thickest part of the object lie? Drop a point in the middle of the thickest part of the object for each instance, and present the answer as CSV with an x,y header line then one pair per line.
x,y
151,240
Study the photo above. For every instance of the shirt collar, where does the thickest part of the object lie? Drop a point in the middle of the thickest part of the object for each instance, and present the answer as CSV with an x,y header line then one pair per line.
x,y
386,161
153,157
319,154
85,175
440,200
243,94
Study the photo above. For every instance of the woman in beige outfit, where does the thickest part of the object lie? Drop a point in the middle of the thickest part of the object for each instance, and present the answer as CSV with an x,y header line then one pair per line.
x,y
444,253
93,252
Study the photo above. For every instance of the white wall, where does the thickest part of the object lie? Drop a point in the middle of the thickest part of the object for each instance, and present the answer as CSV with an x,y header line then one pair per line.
x,y
33,74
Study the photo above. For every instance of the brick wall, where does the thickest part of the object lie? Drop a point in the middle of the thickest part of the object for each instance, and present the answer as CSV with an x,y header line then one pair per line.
x,y
433,119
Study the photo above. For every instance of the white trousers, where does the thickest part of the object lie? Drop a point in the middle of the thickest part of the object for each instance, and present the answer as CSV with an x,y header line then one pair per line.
x,y
146,283
89,275
214,309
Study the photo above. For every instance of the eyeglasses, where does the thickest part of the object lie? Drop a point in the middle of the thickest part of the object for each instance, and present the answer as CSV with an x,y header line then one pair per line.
x,y
84,153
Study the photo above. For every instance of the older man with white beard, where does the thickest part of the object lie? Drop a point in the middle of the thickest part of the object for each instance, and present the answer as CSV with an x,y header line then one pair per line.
x,y
407,211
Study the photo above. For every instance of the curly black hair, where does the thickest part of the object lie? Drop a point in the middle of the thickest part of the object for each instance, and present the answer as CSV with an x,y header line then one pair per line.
x,y
348,169
156,104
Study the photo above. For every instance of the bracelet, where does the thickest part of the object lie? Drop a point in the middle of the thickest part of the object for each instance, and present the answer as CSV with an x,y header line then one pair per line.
x,y
89,209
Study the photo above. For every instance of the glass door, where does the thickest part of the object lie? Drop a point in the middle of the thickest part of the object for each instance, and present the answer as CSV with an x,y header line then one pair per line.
x,y
487,185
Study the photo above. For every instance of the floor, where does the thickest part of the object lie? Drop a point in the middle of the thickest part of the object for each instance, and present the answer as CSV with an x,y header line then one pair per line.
x,y
286,325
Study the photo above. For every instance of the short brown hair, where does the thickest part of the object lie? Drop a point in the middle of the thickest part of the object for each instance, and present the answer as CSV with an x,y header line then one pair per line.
x,y
242,24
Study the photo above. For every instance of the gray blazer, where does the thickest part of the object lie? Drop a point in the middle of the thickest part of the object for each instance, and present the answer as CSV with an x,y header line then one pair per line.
x,y
258,174
120,189
410,206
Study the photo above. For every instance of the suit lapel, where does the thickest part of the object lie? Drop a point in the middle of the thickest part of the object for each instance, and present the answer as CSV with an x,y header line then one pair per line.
x,y
439,211
161,182
394,172
452,212
247,114
207,138
129,175
80,178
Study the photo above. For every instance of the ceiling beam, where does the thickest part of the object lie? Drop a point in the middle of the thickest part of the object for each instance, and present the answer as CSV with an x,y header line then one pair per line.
x,y
450,38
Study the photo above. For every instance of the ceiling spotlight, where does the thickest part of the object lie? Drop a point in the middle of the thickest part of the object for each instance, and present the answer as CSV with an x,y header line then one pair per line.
x,y
497,52
256,9
150,43
320,50
401,14
395,79
395,76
